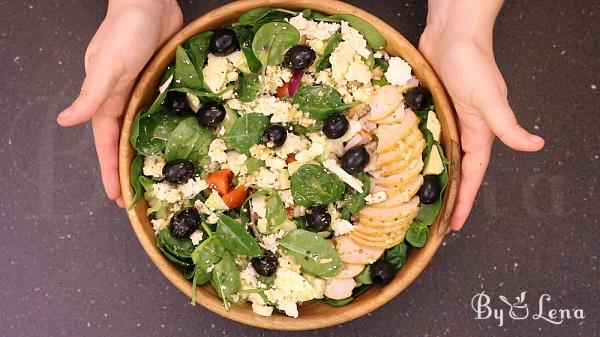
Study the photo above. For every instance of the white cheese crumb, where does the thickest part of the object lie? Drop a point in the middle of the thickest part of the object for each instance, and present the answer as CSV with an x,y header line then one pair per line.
x,y
269,242
153,165
163,87
192,187
196,237
262,310
341,227
376,198
399,71
259,205
215,72
213,218
353,182
216,151
159,224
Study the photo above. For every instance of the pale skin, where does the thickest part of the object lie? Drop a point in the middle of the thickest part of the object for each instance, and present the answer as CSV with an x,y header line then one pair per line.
x,y
457,42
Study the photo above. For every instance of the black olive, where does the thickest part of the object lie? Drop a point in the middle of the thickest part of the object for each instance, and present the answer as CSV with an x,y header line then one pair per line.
x,y
276,134
418,98
265,265
299,57
176,103
211,114
382,272
430,190
178,171
335,126
185,222
223,42
355,159
318,218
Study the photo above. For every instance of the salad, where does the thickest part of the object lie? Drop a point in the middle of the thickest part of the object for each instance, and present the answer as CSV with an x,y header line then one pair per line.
x,y
287,158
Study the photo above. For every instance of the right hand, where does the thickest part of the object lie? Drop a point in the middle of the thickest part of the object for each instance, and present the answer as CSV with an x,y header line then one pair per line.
x,y
124,43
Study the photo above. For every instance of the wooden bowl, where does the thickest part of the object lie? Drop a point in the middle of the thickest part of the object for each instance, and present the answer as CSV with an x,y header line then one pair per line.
x,y
313,314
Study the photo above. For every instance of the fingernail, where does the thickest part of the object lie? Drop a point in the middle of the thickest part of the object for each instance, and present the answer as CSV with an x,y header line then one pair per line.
x,y
66,113
535,139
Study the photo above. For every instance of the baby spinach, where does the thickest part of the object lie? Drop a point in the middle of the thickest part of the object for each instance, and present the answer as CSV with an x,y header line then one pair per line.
x,y
374,39
271,42
323,63
205,95
176,250
311,185
205,256
235,238
429,142
197,48
396,255
380,82
276,214
248,87
417,234
319,100
135,173
257,17
245,37
246,131
153,132
314,254
157,104
383,63
365,276
253,164
186,75
188,141
226,278
354,200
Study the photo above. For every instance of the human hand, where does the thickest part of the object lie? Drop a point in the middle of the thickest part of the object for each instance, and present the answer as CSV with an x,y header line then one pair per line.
x,y
463,58
125,41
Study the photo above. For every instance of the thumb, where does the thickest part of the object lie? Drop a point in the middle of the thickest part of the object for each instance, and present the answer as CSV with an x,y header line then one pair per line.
x,y
502,121
96,89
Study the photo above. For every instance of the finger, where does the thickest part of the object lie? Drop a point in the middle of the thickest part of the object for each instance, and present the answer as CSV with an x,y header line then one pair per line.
x,y
501,119
120,202
106,136
96,89
474,165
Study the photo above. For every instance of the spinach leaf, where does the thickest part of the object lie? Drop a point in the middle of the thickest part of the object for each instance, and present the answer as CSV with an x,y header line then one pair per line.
x,y
276,214
417,234
157,104
179,248
319,100
253,164
188,141
197,48
383,63
248,87
203,95
314,254
311,184
153,132
186,75
354,200
235,238
381,82
429,142
205,256
365,276
226,278
135,173
135,128
259,16
374,39
428,213
246,131
271,42
245,37
396,255
333,42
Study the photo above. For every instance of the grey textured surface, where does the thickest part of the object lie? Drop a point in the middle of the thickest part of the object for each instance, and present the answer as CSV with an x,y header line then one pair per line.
x,y
71,265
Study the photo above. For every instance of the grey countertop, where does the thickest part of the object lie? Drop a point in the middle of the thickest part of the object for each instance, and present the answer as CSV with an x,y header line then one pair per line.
x,y
71,265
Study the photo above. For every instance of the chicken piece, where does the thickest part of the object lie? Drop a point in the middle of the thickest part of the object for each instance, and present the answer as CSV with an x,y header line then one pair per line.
x,y
350,252
349,270
385,102
339,288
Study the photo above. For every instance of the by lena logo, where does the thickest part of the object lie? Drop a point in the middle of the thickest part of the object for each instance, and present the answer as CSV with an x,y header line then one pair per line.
x,y
519,309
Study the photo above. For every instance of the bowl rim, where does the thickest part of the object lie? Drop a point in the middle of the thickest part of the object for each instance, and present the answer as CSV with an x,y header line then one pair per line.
x,y
418,259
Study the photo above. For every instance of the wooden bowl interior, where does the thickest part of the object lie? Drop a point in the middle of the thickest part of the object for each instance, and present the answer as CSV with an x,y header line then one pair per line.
x,y
313,314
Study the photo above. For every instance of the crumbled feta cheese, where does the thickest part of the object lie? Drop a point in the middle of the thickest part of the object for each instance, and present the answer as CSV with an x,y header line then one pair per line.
x,y
192,187
341,227
166,192
353,182
215,72
358,71
317,45
266,178
201,207
261,225
215,202
288,288
353,129
238,60
153,165
236,162
196,237
376,198
353,36
317,147
275,163
249,275
287,198
399,71
269,242
279,111
216,151
299,211
433,125
212,218
293,144
262,310
275,77
288,263
312,29
159,224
